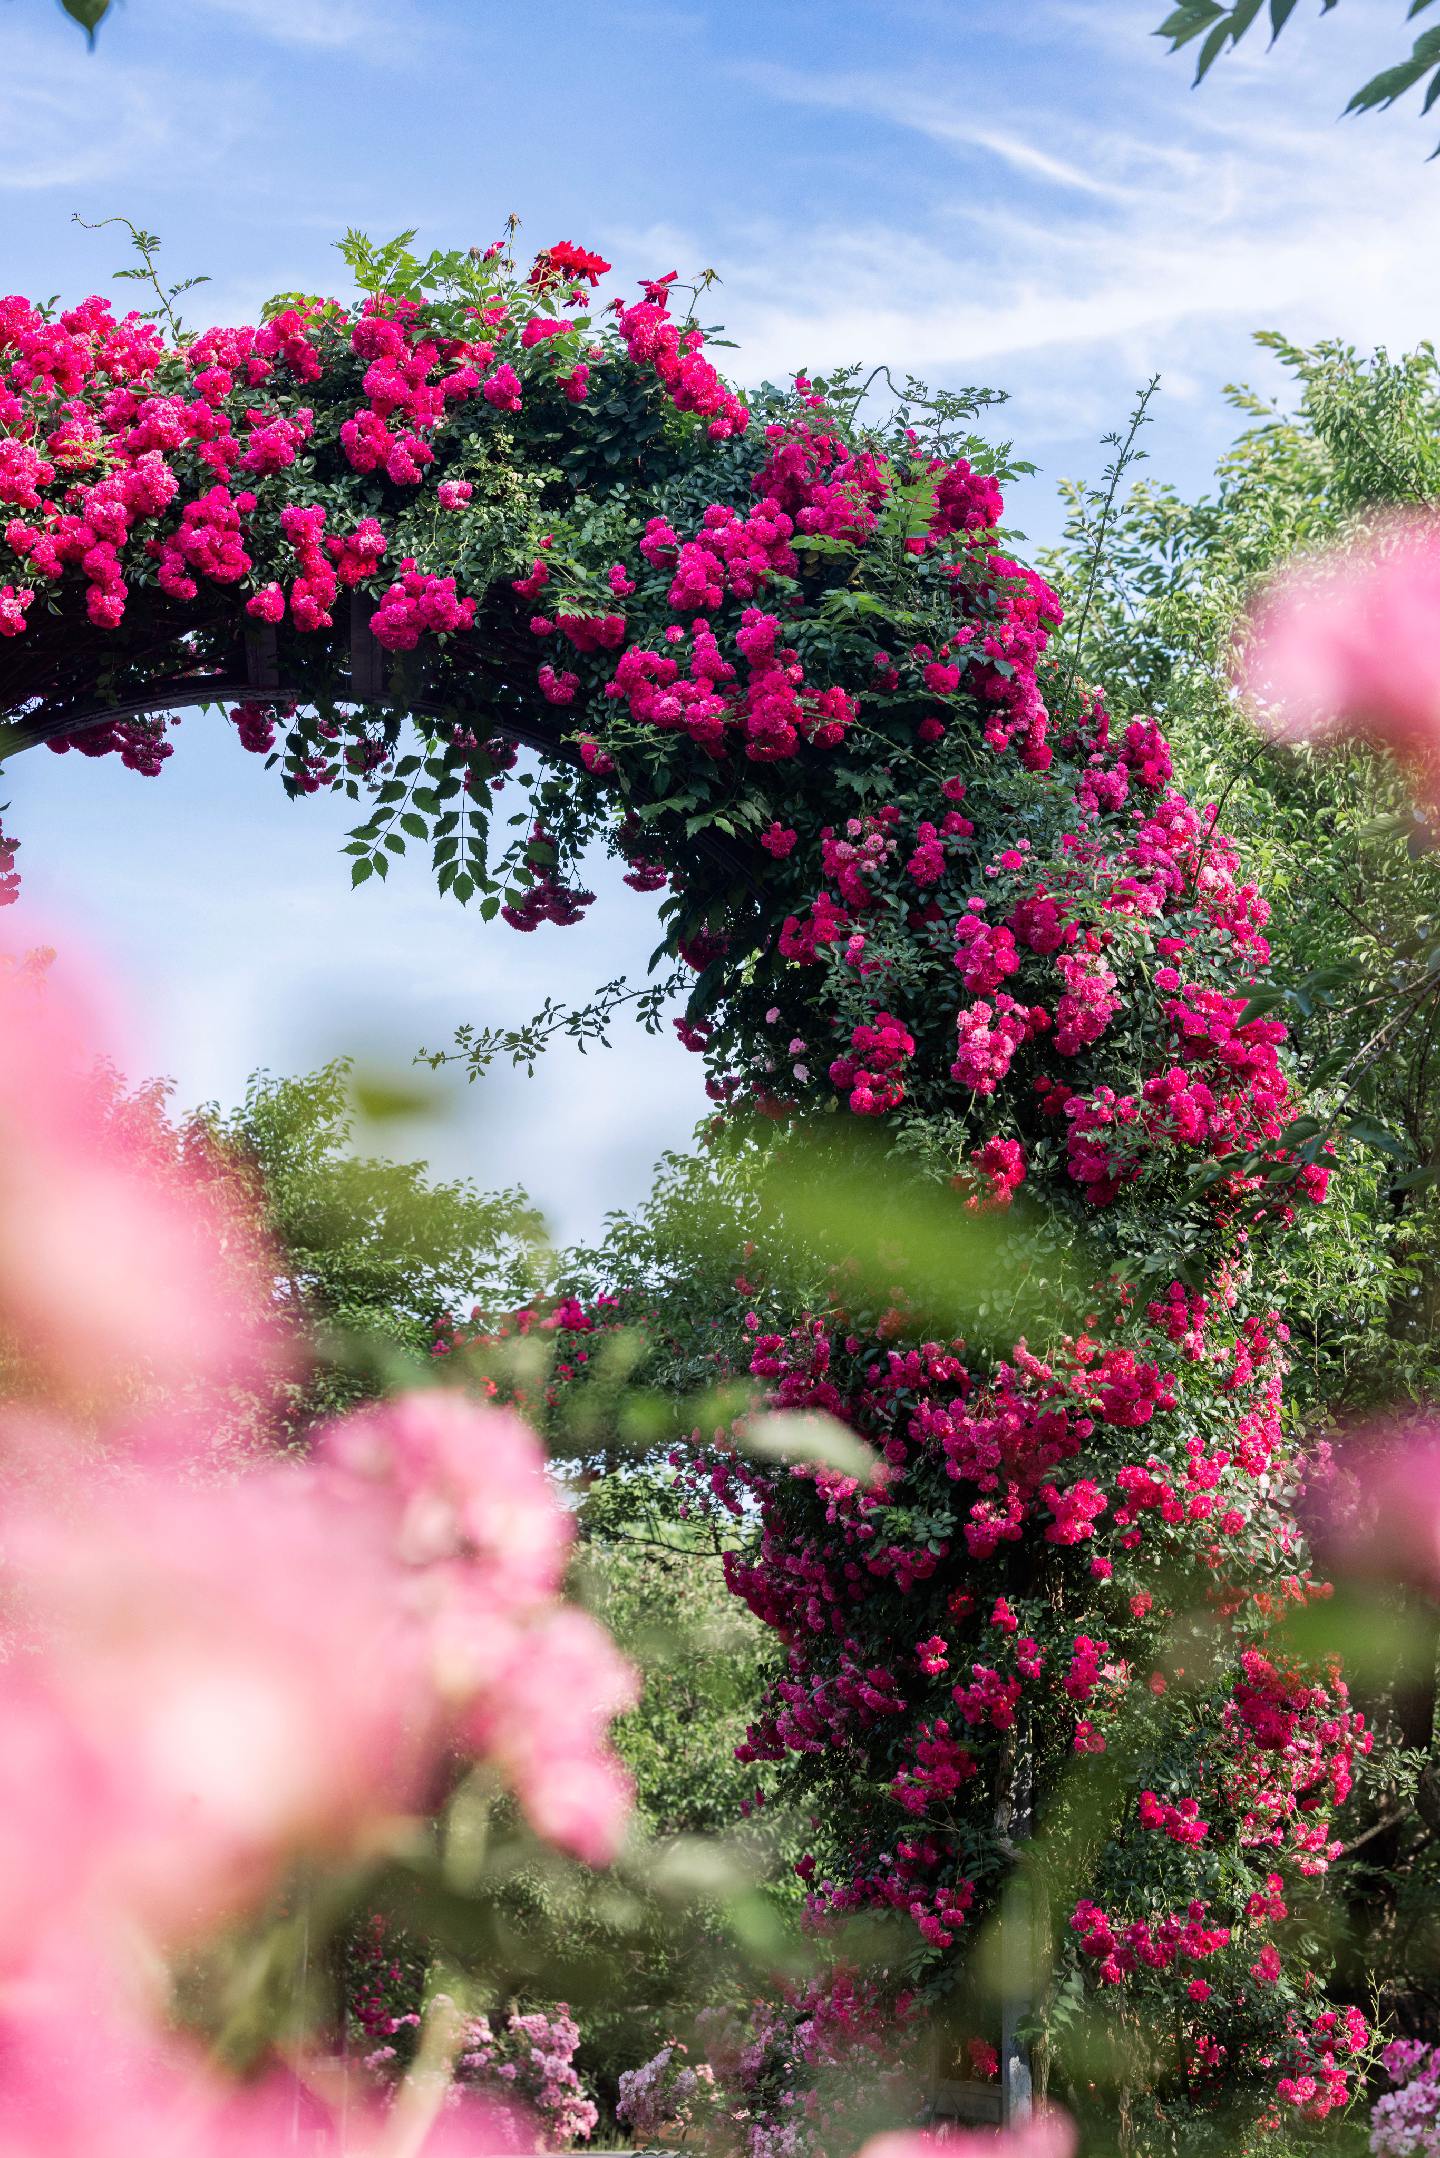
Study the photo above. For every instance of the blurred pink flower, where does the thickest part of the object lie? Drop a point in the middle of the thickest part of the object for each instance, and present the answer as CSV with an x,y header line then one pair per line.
x,y
1348,643
538,1700
1379,1511
105,1272
1048,2134
228,1675
471,1482
530,1684
207,1677
221,1677
76,2082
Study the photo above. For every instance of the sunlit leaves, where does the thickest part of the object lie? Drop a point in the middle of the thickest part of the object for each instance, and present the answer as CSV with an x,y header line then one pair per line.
x,y
1391,83
808,1437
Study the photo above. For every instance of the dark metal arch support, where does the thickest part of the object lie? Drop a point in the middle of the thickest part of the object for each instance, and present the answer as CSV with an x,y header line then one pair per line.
x,y
191,692
182,693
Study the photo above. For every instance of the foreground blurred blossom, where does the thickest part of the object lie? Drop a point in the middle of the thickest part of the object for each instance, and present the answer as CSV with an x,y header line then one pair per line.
x,y
531,1684
1047,2135
223,1677
207,1677
1379,1510
230,1678
1348,643
104,1271
77,2088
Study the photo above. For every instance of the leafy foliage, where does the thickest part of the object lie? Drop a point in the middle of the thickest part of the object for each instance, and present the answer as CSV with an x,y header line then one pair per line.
x,y
1221,27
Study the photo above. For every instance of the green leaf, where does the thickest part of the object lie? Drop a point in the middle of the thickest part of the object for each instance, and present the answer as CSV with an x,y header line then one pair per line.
x,y
807,1436
380,1099
1416,1180
1392,82
88,13
1264,1000
415,826
1221,36
360,870
1366,1132
1188,20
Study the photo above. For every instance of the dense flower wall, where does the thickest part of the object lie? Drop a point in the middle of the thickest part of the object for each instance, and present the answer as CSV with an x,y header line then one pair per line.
x,y
925,883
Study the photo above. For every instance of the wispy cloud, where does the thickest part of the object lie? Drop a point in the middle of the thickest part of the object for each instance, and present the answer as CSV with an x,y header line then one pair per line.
x,y
335,24
64,123
905,105
1141,245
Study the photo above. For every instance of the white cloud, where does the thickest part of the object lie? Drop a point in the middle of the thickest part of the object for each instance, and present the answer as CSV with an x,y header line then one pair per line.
x,y
920,111
334,24
1111,251
61,126
66,121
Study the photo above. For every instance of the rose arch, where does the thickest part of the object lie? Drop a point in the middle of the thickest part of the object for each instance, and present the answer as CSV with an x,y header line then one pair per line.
x,y
923,882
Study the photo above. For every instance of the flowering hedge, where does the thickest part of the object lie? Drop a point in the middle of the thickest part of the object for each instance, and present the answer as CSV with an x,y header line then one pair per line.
x,y
787,666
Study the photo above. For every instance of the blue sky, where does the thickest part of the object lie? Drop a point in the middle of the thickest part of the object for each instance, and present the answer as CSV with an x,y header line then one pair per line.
x,y
1023,193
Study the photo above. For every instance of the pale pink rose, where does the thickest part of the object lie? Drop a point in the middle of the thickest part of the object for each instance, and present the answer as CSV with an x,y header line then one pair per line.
x,y
105,1271
225,1676
537,1699
1348,643
531,1684
471,1481
1049,2134
221,1677
76,2081
552,1734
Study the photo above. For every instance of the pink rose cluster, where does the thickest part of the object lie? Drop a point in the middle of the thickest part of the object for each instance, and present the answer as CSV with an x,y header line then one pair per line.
x,y
1405,2120
531,2056
140,471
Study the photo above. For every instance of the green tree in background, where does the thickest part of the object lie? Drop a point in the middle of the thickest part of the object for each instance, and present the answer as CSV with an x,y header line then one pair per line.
x,y
371,1251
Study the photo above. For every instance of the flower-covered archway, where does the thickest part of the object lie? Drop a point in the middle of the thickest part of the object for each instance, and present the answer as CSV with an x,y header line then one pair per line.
x,y
785,664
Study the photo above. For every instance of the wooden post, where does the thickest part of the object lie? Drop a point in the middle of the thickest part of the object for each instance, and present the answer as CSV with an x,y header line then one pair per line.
x,y
262,655
1017,2085
367,656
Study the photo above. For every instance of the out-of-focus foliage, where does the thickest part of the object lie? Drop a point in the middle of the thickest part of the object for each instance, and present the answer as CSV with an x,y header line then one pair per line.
x,y
656,1581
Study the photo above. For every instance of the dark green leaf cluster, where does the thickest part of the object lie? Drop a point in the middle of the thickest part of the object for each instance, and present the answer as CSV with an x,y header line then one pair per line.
x,y
1220,28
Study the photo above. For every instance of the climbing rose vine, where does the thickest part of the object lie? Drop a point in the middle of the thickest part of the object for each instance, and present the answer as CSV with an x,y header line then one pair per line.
x,y
918,882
